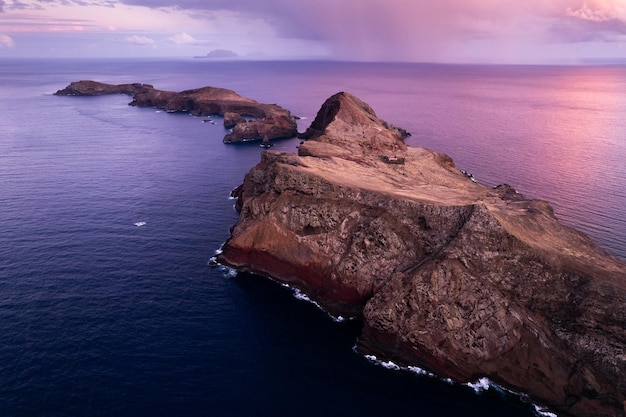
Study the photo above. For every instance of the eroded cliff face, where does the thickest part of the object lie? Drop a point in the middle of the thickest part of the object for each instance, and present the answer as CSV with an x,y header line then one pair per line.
x,y
447,274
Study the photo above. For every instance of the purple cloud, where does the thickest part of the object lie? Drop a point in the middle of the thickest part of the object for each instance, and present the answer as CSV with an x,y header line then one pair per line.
x,y
401,29
366,29
577,30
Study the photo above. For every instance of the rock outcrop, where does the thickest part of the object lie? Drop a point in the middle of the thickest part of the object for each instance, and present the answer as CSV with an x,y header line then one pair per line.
x,y
270,120
446,274
232,119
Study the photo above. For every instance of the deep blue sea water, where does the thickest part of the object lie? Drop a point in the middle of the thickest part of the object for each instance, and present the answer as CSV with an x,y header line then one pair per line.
x,y
100,317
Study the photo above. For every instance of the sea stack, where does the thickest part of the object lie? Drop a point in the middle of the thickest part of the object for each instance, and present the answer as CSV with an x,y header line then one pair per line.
x,y
446,274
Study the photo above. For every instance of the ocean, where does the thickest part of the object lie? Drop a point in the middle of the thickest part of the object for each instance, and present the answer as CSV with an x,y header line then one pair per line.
x,y
109,215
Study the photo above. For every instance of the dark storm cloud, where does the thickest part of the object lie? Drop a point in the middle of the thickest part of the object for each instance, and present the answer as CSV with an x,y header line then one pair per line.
x,y
290,18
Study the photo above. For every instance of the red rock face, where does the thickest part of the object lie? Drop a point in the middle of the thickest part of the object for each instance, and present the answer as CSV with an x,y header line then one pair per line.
x,y
447,274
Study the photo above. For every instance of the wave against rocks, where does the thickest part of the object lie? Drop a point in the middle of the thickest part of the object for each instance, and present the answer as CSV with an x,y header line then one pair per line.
x,y
447,274
270,121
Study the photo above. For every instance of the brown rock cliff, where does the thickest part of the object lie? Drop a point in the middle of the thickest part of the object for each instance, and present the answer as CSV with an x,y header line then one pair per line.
x,y
447,274
271,121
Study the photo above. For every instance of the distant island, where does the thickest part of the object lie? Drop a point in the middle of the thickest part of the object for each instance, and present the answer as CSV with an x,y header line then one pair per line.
x,y
268,121
219,54
446,274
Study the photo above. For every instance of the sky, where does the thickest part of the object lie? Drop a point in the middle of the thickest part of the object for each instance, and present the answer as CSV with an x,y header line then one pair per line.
x,y
453,31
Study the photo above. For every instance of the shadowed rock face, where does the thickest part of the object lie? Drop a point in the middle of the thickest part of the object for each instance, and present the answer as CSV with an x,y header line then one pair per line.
x,y
272,121
447,274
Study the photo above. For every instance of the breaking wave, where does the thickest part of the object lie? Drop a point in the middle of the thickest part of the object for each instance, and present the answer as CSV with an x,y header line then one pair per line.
x,y
479,386
483,384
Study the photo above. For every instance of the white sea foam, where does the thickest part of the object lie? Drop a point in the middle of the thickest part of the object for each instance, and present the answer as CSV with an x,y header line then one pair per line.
x,y
419,371
385,364
139,224
340,319
393,366
390,365
542,411
302,296
299,295
228,272
483,384
213,259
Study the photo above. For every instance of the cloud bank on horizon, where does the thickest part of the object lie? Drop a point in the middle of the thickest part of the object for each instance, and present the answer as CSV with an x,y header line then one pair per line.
x,y
365,30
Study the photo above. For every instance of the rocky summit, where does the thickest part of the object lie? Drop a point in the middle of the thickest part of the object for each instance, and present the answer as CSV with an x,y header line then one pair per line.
x,y
270,121
445,273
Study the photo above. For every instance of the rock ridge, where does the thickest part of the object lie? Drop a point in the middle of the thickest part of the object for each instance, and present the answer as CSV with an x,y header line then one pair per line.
x,y
446,274
270,121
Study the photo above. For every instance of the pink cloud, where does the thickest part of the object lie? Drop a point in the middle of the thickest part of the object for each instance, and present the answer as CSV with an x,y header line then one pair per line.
x,y
140,40
599,11
6,41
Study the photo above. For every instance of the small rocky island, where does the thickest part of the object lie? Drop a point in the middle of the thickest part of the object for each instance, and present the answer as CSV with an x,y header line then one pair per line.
x,y
269,121
446,274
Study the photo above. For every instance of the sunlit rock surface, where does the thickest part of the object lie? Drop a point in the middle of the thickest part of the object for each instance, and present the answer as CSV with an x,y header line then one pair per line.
x,y
447,274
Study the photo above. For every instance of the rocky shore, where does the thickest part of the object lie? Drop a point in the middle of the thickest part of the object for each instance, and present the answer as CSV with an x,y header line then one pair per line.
x,y
269,121
446,274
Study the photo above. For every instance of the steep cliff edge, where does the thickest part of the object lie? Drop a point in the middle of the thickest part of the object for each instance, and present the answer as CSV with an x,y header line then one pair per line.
x,y
270,120
447,274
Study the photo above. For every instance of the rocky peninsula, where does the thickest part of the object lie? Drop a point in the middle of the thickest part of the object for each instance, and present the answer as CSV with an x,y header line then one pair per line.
x,y
446,274
269,121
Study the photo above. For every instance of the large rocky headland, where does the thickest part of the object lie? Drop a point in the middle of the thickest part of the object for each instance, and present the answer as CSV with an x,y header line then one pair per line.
x,y
446,274
269,121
